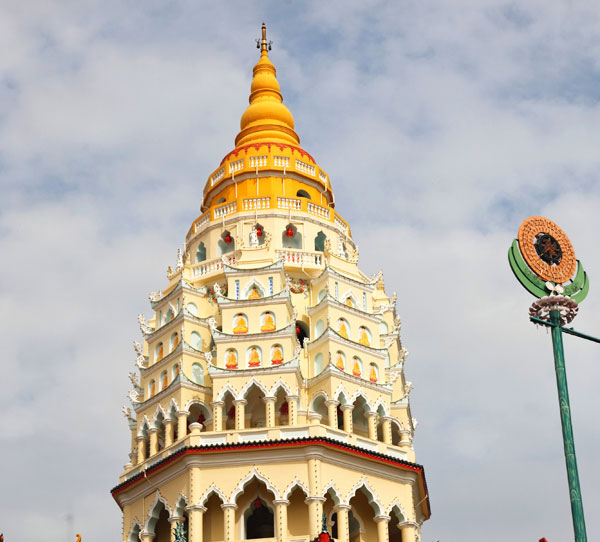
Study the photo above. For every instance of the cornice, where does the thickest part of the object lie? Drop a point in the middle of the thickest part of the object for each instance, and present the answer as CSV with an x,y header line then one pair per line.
x,y
331,371
287,331
181,317
331,301
291,366
278,298
182,286
370,287
265,269
335,337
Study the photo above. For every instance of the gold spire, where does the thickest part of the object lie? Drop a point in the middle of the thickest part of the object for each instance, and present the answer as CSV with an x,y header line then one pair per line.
x,y
266,118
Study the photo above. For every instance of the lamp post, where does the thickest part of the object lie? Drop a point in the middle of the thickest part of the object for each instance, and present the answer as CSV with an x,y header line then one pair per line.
x,y
543,260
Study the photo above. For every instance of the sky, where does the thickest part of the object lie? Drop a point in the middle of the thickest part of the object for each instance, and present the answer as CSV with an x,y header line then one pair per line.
x,y
442,125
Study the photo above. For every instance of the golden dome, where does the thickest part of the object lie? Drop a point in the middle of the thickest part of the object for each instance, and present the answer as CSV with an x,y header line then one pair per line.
x,y
266,118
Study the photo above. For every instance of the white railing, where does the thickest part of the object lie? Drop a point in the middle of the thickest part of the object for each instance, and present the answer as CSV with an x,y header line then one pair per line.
x,y
236,166
340,224
305,168
202,221
211,266
322,177
298,257
257,203
226,209
258,161
289,203
281,161
317,210
217,176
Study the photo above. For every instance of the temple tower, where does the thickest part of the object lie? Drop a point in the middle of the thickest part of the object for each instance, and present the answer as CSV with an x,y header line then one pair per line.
x,y
271,395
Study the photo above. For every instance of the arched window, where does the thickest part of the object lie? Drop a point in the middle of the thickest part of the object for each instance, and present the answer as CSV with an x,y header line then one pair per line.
x,y
226,243
198,374
259,521
256,237
151,388
302,194
159,352
373,372
320,242
200,253
196,340
383,328
357,366
174,341
254,356
164,381
318,363
221,200
340,360
276,354
192,309
175,371
231,359
319,328
170,315
302,332
291,237
321,296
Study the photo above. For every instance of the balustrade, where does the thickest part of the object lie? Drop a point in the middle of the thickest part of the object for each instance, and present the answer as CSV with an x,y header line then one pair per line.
x,y
281,161
305,168
258,161
236,166
201,222
217,176
257,204
301,258
224,210
211,266
317,210
289,203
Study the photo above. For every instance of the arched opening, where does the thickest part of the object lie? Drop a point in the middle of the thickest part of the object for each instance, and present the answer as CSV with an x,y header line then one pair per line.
x,y
160,425
319,328
380,415
256,506
198,414
240,324
200,253
364,336
146,442
373,372
343,327
159,523
134,534
302,194
364,513
318,364
231,359
254,357
164,380
395,533
282,412
174,372
340,413
331,500
383,328
226,244
159,352
192,309
172,415
359,417
212,520
340,360
298,520
198,374
357,366
256,237
255,409
291,237
396,435
276,354
174,342
228,411
321,295
221,200
320,242
320,408
196,339
302,332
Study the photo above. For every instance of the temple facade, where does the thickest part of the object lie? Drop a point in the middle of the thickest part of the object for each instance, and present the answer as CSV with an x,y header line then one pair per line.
x,y
269,400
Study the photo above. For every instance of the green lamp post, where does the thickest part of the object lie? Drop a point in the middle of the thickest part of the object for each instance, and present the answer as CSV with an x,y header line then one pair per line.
x,y
543,260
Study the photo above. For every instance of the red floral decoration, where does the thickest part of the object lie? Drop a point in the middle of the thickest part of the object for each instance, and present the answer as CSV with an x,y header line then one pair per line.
x,y
289,232
228,239
259,232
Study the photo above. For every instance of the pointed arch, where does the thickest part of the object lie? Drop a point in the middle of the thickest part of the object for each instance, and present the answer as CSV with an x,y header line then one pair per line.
x,y
159,410
293,485
380,407
396,509
182,503
134,532
253,381
173,408
154,511
262,289
280,384
341,390
227,388
254,473
349,295
368,492
212,490
144,426
333,491
359,394
322,394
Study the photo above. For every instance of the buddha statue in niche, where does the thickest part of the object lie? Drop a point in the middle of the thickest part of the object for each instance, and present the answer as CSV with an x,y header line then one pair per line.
x,y
363,336
342,329
152,388
160,352
254,293
240,324
373,373
231,359
268,322
163,381
356,369
276,355
254,359
339,361
175,341
349,302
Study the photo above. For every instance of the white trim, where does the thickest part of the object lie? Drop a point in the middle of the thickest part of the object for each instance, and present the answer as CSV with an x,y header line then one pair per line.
x,y
254,473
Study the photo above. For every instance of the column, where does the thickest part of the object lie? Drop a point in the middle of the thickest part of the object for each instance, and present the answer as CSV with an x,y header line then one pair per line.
x,y
409,532
169,431
270,410
342,522
405,438
173,520
332,405
229,521
372,424
347,413
292,409
146,536
182,423
315,515
141,444
196,517
217,407
153,440
281,519
314,418
382,528
386,428
240,414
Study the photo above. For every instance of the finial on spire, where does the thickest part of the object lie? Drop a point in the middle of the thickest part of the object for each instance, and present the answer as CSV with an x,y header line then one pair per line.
x,y
262,43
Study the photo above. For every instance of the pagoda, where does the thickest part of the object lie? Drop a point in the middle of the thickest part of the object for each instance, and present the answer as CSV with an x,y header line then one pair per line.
x,y
271,401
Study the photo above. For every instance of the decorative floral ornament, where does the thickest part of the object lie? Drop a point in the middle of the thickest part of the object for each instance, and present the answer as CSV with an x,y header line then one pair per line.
x,y
289,232
227,239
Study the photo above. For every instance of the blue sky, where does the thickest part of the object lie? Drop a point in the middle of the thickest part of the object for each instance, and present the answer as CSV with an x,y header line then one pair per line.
x,y
442,126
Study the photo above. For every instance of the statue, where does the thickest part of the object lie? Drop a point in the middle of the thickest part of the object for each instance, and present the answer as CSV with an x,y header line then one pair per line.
x,y
231,361
133,378
363,337
254,293
276,355
155,296
268,322
180,534
254,360
356,369
339,361
342,330
144,327
179,265
253,237
373,373
127,412
134,396
138,348
240,324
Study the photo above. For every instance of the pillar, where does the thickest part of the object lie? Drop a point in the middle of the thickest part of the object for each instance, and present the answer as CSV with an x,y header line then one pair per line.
x,y
342,522
386,429
382,528
229,521
332,405
281,528
146,536
174,520
405,438
217,407
347,413
292,409
182,424
314,418
196,517
169,431
240,414
153,440
315,515
141,444
270,410
372,425
409,532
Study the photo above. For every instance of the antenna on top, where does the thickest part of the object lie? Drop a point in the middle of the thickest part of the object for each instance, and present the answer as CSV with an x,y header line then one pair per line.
x,y
262,43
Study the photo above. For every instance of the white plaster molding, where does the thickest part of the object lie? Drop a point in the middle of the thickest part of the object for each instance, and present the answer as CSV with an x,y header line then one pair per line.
x,y
335,492
293,485
153,512
372,496
249,384
254,473
212,489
